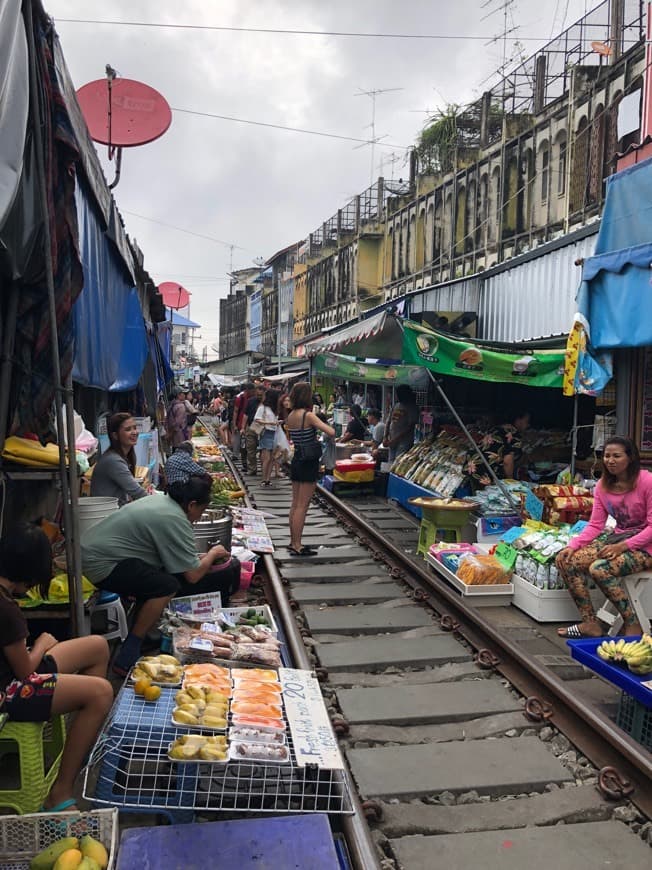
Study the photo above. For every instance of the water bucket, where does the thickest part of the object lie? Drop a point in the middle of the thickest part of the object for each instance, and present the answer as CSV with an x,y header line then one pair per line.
x,y
94,509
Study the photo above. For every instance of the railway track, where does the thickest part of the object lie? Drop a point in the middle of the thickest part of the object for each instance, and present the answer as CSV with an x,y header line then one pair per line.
x,y
465,746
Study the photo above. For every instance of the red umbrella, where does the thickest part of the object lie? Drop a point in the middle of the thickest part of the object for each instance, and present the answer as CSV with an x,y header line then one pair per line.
x,y
174,295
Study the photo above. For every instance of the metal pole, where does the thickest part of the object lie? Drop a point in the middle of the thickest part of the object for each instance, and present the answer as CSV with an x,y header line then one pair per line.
x,y
76,594
8,339
278,337
469,437
72,567
574,437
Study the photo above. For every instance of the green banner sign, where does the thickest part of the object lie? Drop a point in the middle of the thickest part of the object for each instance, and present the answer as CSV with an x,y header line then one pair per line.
x,y
463,359
345,368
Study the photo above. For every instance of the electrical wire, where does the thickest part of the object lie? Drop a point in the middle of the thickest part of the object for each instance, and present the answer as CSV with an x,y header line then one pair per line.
x,y
182,230
290,129
440,37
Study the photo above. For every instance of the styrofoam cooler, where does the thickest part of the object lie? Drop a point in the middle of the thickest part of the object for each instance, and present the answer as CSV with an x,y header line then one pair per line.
x,y
93,510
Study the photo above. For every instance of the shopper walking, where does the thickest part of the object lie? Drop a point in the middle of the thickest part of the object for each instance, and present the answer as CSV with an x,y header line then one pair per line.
x,y
624,492
266,423
304,469
176,421
250,433
238,416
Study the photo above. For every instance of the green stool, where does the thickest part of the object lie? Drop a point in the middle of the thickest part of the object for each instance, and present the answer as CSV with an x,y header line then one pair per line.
x,y
448,522
36,743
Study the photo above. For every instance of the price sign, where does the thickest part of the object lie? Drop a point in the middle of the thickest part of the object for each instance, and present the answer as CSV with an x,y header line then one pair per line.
x,y
533,505
312,734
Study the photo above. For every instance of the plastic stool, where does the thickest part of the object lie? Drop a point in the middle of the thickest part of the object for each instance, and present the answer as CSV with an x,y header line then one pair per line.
x,y
34,741
636,585
116,617
428,535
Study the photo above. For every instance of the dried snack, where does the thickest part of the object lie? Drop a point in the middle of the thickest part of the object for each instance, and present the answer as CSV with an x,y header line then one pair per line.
x,y
245,734
258,653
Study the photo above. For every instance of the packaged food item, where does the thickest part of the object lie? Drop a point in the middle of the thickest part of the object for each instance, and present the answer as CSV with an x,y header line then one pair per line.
x,y
262,722
164,670
480,570
259,752
246,734
258,653
258,674
251,708
199,747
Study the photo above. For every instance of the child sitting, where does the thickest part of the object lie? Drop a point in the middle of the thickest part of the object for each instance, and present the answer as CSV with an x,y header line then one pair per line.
x,y
48,678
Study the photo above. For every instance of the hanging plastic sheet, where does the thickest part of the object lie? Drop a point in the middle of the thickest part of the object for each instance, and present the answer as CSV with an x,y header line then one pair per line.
x,y
110,340
14,101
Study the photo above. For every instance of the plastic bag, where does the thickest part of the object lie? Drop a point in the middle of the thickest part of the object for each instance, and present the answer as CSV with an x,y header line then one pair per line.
x,y
478,570
281,441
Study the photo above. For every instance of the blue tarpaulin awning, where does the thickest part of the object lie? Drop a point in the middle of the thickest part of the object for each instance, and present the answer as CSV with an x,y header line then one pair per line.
x,y
615,299
180,320
110,339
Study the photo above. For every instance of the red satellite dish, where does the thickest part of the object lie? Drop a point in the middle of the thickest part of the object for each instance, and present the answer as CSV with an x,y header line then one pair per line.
x,y
174,295
138,114
123,113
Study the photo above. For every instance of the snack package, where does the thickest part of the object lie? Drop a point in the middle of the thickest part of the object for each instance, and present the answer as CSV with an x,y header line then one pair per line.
x,y
479,570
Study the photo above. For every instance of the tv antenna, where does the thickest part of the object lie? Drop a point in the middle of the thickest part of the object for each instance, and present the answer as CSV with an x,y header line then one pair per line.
x,y
372,94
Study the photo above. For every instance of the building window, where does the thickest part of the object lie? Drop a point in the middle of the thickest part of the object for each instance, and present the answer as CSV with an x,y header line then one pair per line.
x,y
545,173
561,177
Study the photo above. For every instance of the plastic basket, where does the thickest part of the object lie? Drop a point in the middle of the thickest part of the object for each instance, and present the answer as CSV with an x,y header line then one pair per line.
x,y
635,719
23,837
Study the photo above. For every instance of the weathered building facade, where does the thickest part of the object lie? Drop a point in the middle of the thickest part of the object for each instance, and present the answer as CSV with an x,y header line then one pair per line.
x,y
235,316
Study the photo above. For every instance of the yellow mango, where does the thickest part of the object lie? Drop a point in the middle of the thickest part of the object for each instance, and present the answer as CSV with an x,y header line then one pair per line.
x,y
92,848
68,860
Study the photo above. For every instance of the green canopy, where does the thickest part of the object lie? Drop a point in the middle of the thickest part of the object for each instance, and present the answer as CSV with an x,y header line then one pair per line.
x,y
335,365
463,359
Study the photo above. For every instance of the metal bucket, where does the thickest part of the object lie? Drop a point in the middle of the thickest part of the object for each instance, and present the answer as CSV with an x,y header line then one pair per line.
x,y
213,530
346,451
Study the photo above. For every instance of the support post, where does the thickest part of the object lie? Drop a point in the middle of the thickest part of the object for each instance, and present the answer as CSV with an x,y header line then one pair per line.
x,y
74,569
574,437
469,438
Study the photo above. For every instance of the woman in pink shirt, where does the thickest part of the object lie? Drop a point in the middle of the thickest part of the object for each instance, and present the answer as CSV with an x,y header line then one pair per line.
x,y
624,492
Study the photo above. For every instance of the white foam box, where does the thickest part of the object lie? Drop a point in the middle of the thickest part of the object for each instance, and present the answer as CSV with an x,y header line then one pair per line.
x,y
543,605
499,595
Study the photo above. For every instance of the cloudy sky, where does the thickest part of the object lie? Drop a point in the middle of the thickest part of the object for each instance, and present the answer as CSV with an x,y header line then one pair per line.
x,y
260,189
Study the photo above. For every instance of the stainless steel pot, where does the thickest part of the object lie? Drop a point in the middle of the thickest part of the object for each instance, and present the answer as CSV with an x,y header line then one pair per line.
x,y
346,451
213,529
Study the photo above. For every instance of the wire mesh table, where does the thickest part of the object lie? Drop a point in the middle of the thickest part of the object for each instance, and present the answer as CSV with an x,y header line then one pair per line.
x,y
131,769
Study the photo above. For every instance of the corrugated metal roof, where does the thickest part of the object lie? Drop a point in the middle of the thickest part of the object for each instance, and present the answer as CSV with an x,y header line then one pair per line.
x,y
535,298
456,296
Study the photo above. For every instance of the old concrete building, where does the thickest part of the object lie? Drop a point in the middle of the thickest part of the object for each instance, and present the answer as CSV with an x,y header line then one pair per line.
x,y
235,315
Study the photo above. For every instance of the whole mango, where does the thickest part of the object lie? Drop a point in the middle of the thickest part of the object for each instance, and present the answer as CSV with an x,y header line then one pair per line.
x,y
93,849
45,860
68,860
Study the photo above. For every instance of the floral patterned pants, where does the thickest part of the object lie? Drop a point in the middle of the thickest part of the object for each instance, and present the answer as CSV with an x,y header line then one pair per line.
x,y
585,565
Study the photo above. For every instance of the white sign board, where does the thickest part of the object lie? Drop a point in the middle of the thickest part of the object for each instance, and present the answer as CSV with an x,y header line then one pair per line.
x,y
312,735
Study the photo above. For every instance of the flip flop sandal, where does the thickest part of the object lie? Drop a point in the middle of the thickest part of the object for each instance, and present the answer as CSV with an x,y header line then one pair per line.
x,y
308,551
59,808
573,631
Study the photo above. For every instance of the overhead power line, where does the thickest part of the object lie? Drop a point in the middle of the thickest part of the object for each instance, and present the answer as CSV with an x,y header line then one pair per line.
x,y
182,230
285,31
289,129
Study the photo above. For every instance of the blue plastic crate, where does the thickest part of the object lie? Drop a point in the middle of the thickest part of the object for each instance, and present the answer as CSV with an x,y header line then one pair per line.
x,y
244,844
132,713
584,651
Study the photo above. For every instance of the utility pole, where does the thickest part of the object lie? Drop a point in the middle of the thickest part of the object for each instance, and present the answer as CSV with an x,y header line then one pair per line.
x,y
372,94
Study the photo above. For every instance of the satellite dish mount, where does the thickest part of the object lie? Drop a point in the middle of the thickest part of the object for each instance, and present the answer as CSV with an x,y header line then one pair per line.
x,y
114,150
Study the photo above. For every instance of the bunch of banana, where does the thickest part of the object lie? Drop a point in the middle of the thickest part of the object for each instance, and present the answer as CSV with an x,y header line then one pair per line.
x,y
638,655
612,650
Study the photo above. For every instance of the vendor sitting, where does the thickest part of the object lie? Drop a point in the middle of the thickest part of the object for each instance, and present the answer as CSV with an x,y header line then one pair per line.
x,y
624,492
114,472
503,449
147,551
180,466
355,430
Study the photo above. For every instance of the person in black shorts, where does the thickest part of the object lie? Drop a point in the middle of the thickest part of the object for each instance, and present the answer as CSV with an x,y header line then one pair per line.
x,y
302,428
48,677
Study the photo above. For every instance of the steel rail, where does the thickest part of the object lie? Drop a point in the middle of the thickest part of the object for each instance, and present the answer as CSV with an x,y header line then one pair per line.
x,y
604,744
362,849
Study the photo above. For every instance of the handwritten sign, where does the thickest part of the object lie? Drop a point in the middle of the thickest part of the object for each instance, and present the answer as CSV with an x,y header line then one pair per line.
x,y
533,505
312,734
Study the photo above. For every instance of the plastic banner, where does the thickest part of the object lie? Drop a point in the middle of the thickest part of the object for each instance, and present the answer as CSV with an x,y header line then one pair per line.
x,y
339,366
463,359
